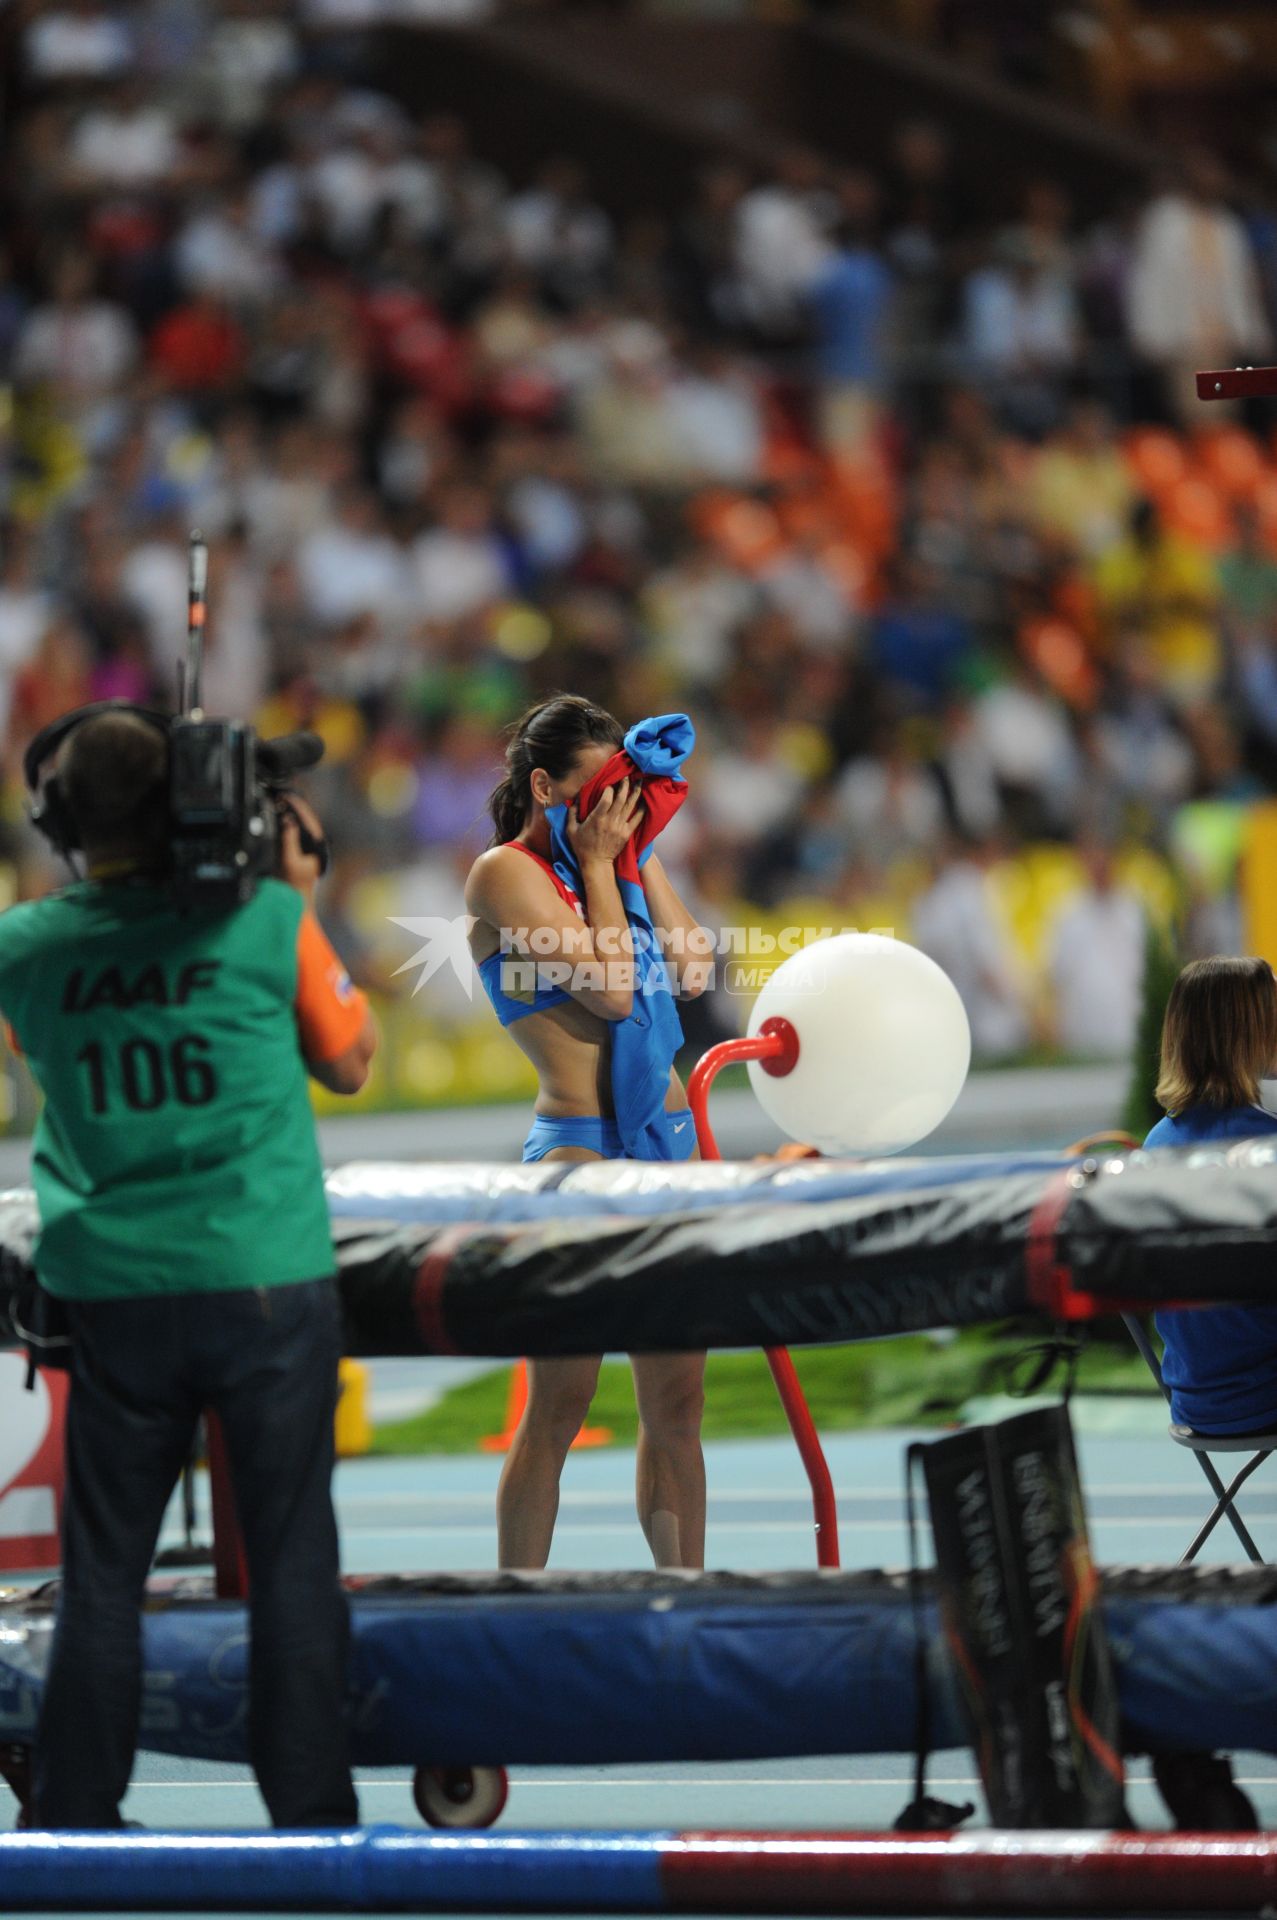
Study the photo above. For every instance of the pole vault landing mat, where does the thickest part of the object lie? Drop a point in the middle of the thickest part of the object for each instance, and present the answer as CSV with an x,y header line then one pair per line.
x,y
592,1669
640,1257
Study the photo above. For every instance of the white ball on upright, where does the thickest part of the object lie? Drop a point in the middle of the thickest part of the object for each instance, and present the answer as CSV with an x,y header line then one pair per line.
x,y
883,1044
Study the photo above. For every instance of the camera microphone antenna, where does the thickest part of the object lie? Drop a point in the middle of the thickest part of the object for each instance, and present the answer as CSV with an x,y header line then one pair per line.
x,y
227,790
191,674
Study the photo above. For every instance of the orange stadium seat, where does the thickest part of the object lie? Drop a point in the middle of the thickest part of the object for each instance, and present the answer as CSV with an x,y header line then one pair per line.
x,y
1195,508
1233,460
745,530
1063,659
1157,459
807,513
866,503
848,565
1265,505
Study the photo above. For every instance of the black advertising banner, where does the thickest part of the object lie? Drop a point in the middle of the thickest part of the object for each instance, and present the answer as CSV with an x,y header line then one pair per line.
x,y
1019,1601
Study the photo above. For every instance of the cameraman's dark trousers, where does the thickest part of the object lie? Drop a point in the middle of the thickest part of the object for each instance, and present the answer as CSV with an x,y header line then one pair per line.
x,y
143,1371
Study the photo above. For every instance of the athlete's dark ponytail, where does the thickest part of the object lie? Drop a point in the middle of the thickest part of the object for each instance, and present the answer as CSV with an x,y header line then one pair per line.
x,y
550,735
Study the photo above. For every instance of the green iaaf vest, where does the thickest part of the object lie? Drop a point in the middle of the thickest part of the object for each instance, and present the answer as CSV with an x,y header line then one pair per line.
x,y
176,1149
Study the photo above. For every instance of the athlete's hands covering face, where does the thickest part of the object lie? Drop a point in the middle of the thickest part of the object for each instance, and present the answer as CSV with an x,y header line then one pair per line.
x,y
603,834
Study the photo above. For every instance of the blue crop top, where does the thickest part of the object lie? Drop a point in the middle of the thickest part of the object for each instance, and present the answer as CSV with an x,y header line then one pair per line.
x,y
504,1005
539,999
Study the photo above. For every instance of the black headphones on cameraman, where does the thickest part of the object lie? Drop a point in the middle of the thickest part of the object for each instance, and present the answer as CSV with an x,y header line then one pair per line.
x,y
53,819
50,814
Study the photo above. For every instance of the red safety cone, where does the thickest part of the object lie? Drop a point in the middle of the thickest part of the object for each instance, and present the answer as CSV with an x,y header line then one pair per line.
x,y
518,1400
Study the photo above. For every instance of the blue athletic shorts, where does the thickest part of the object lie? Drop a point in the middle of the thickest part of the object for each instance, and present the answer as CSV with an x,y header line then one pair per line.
x,y
602,1136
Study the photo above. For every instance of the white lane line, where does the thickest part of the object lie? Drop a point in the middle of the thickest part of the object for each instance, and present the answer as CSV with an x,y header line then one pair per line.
x,y
675,1780
569,1498
726,1496
726,1783
591,1528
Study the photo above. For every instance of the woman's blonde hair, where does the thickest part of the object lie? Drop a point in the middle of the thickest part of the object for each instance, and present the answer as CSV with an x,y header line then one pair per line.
x,y
1219,1037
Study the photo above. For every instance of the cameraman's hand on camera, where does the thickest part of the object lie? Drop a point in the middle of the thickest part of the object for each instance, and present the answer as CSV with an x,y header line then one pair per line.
x,y
298,868
327,1003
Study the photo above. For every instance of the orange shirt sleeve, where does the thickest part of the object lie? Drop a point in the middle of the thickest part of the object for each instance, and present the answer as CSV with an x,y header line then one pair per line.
x,y
330,1011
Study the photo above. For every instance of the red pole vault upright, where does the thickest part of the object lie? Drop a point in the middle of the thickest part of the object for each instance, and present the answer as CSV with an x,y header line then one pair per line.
x,y
775,1047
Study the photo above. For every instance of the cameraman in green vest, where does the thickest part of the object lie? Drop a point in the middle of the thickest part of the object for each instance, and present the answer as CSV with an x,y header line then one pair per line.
x,y
184,1228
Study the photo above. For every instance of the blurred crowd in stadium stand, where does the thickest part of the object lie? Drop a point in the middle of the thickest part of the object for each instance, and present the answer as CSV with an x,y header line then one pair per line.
x,y
903,497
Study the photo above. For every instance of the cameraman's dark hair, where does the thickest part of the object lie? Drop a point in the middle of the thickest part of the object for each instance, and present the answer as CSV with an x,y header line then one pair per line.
x,y
113,772
550,735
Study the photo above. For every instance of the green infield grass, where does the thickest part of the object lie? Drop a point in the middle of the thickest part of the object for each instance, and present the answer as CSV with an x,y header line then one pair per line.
x,y
912,1381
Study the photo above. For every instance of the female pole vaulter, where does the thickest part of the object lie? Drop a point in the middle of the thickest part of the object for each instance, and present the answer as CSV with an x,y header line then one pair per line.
x,y
580,941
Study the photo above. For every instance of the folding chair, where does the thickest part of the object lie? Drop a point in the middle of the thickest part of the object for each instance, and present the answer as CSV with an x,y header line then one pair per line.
x,y
1201,1446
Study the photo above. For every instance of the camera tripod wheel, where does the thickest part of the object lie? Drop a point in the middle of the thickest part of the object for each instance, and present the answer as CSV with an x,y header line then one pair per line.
x,y
15,1770
460,1796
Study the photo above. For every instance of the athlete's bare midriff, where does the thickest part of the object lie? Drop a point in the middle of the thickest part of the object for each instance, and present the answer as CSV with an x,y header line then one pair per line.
x,y
571,1050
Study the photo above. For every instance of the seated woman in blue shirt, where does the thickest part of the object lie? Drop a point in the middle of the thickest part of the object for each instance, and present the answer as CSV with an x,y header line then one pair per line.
x,y
1219,1040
